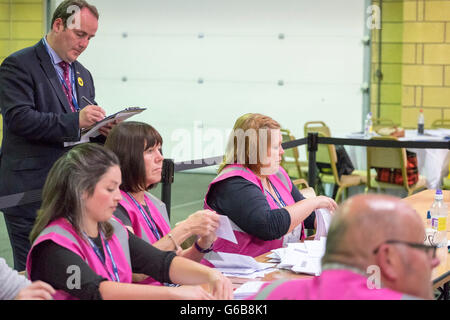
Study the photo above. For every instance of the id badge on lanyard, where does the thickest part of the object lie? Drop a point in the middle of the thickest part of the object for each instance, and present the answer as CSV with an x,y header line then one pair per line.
x,y
151,224
115,277
281,203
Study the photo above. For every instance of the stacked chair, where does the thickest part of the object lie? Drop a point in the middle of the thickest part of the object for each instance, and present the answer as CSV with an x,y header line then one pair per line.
x,y
327,154
390,158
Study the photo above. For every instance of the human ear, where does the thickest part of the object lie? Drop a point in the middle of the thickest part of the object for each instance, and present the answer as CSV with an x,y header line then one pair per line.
x,y
58,25
84,196
388,261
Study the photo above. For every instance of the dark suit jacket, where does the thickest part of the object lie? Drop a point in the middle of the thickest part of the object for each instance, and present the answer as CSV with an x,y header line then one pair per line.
x,y
37,118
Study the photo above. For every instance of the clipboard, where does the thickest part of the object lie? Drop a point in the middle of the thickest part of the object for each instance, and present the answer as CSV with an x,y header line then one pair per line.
x,y
93,131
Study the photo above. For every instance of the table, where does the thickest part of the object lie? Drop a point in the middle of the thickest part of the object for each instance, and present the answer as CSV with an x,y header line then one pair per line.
x,y
432,163
421,202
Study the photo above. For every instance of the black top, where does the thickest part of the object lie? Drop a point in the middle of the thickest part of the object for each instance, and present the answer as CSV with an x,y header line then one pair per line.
x,y
244,203
51,264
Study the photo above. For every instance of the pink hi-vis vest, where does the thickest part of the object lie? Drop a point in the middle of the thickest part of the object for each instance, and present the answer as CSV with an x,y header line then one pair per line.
x,y
247,244
62,233
140,226
337,284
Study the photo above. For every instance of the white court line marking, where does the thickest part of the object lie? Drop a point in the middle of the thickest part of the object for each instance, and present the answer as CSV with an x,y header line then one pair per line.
x,y
187,204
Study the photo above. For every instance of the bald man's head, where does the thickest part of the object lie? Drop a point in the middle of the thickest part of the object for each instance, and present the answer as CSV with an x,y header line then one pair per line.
x,y
365,221
385,232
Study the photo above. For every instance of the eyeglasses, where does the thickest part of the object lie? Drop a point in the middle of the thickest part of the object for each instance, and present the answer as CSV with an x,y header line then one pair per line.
x,y
428,249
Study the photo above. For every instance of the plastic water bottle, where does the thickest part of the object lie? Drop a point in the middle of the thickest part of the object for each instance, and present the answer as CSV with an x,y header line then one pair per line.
x,y
368,126
439,214
428,219
421,123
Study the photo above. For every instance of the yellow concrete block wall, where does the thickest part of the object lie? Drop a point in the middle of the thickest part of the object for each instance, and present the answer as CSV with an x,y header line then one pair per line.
x,y
436,97
426,61
447,33
423,75
437,10
415,58
387,103
447,76
22,24
423,32
437,54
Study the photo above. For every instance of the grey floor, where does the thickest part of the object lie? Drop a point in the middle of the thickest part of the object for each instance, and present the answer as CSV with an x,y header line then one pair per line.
x,y
188,191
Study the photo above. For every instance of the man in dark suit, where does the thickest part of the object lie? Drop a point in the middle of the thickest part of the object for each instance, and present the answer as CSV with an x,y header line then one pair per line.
x,y
40,100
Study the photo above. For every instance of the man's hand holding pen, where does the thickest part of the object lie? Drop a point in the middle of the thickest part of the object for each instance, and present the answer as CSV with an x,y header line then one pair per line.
x,y
91,114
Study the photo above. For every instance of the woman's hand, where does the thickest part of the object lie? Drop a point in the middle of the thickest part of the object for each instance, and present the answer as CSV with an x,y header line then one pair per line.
x,y
38,290
220,286
207,241
203,223
191,293
323,202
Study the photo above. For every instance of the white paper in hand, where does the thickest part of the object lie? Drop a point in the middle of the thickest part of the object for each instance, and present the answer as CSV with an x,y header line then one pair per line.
x,y
225,231
323,217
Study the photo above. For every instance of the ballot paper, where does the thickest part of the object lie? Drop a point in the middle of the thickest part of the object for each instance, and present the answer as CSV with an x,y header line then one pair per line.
x,y
323,217
316,248
247,290
237,265
309,265
293,236
93,131
225,231
301,257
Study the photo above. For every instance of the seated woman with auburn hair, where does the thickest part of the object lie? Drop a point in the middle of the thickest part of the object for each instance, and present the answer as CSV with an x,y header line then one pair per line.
x,y
255,192
83,252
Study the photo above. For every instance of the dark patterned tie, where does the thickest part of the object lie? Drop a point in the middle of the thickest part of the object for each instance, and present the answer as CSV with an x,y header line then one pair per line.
x,y
68,87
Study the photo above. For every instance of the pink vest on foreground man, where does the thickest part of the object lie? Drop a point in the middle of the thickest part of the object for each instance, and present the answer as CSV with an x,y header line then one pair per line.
x,y
140,225
247,244
332,284
62,233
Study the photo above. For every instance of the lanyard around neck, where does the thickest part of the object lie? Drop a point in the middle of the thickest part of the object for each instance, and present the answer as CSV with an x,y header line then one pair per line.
x,y
147,217
280,203
101,257
61,79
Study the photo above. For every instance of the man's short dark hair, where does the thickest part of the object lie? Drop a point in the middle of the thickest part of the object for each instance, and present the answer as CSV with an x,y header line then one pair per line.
x,y
61,10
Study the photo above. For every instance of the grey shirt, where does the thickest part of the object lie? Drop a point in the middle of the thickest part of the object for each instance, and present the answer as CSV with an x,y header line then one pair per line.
x,y
11,282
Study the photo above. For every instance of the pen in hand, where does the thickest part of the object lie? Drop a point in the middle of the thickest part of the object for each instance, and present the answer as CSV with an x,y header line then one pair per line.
x,y
94,114
87,100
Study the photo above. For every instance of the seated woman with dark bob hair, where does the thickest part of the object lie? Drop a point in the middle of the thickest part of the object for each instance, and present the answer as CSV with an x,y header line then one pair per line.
x,y
138,147
255,192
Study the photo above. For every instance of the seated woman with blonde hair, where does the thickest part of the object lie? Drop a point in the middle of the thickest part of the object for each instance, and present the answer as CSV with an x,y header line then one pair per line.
x,y
255,192
83,252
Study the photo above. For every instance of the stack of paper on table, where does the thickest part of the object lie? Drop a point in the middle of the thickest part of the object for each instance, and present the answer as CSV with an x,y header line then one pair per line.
x,y
247,290
236,265
300,257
